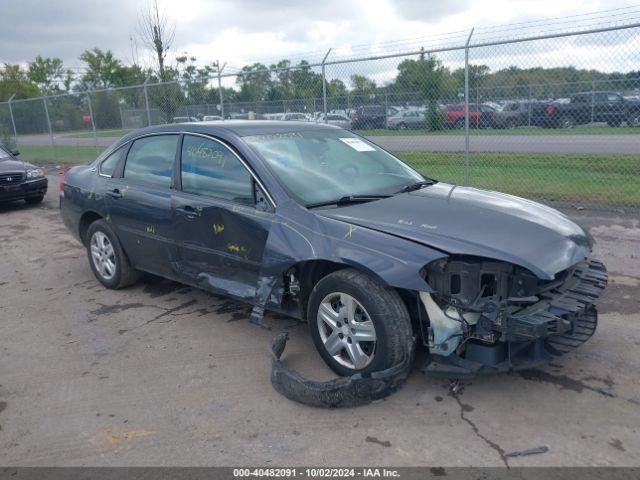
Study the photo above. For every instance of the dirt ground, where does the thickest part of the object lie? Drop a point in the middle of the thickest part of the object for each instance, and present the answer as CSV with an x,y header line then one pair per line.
x,y
163,374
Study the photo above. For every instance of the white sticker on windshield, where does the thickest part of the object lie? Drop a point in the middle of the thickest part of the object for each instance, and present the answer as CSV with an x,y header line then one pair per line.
x,y
358,144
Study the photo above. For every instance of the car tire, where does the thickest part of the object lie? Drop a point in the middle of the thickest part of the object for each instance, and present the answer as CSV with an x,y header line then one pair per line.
x,y
402,126
634,120
34,200
377,311
614,123
460,123
117,272
567,122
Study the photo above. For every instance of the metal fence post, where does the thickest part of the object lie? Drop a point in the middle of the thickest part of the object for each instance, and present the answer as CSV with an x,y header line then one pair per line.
x,y
593,87
466,109
324,87
93,121
220,69
146,101
529,112
53,143
13,122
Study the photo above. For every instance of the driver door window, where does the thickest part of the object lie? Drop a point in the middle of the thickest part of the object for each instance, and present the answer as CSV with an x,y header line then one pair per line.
x,y
210,168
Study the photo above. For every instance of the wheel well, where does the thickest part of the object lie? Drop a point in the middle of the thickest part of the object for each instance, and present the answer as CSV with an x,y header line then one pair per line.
x,y
87,219
310,272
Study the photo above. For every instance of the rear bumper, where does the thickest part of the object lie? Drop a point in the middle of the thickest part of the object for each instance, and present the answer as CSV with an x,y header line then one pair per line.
x,y
28,189
560,322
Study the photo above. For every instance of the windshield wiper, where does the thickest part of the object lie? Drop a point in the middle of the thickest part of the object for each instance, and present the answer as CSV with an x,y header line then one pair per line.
x,y
416,186
349,199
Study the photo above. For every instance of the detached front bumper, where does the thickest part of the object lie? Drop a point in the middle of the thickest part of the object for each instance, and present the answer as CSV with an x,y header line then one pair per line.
x,y
26,189
563,319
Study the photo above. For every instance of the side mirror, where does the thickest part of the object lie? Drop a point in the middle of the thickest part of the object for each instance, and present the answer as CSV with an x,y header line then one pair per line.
x,y
15,152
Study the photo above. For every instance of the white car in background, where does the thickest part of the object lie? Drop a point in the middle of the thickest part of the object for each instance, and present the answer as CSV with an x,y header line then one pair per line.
x,y
338,120
295,116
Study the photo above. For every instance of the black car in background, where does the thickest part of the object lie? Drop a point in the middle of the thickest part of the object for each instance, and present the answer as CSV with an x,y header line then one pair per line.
x,y
588,107
20,180
369,117
318,223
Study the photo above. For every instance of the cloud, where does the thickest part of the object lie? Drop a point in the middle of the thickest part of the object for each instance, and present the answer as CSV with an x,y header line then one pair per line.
x,y
243,31
429,11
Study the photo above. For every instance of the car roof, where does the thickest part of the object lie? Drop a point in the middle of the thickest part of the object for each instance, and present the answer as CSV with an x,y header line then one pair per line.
x,y
240,128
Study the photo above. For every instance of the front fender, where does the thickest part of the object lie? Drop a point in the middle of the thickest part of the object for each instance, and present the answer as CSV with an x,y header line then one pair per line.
x,y
392,260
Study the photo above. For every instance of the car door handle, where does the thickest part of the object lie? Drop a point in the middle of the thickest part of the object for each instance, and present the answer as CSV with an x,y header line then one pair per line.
x,y
188,211
115,193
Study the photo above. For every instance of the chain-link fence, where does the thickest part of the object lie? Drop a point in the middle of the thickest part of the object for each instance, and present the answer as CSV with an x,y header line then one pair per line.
x,y
551,117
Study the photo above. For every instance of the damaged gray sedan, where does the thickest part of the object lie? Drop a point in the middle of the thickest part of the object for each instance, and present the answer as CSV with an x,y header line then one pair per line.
x,y
318,223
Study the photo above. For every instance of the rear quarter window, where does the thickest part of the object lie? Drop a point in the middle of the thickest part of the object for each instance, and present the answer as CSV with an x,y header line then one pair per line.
x,y
109,164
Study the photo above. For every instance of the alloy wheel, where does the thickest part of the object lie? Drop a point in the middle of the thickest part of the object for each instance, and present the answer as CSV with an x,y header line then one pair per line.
x,y
346,330
103,255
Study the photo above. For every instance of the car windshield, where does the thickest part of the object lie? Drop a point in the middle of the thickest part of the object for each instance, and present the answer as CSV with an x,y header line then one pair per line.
x,y
321,166
4,154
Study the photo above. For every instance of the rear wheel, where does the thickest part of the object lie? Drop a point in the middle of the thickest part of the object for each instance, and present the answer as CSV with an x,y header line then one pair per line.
x,y
634,120
108,261
567,122
357,324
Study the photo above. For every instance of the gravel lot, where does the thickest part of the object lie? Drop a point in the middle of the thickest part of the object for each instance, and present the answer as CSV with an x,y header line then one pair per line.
x,y
163,374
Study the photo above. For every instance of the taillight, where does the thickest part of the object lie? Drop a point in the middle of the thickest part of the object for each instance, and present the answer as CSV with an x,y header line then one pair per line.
x,y
63,177
550,110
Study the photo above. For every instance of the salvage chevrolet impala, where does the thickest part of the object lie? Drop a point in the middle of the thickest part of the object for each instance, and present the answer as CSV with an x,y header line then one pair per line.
x,y
318,223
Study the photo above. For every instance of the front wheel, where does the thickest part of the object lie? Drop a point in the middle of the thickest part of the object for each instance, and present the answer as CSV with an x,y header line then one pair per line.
x,y
357,324
108,261
34,200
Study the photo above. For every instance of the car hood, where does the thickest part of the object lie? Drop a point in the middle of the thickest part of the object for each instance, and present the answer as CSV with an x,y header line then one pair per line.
x,y
470,221
11,165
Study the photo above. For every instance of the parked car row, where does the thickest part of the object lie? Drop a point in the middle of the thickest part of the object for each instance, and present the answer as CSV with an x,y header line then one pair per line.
x,y
583,108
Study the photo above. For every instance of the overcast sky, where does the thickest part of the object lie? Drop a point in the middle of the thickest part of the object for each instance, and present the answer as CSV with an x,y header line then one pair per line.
x,y
238,31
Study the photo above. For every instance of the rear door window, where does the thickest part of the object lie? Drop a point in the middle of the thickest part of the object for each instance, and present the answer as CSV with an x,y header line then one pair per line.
x,y
209,168
150,160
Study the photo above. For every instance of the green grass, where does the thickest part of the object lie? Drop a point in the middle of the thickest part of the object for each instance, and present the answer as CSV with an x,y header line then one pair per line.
x,y
507,131
61,155
606,180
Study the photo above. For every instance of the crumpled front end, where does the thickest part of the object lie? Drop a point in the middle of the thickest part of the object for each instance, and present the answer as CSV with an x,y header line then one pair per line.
x,y
489,317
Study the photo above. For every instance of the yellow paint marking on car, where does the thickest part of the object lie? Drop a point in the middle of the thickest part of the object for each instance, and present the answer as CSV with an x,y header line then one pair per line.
x,y
350,231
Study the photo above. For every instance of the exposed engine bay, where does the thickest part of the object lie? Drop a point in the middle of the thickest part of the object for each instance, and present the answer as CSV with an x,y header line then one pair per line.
x,y
486,316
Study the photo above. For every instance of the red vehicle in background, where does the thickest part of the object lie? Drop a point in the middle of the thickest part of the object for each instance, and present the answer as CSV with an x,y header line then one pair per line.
x,y
480,115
